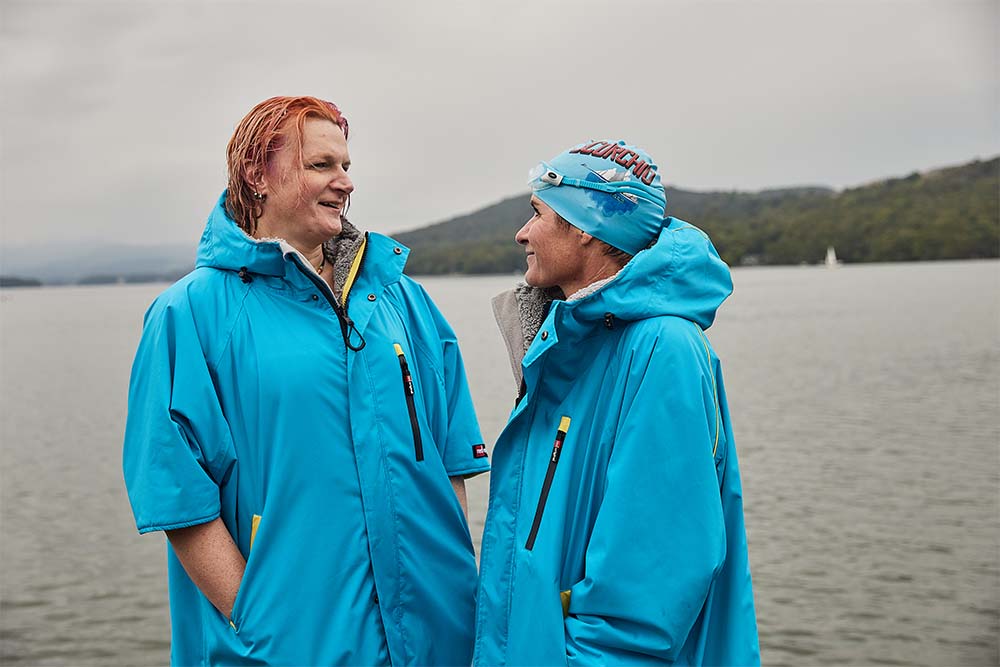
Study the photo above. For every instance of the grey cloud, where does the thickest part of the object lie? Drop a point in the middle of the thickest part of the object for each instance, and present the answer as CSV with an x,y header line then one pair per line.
x,y
115,115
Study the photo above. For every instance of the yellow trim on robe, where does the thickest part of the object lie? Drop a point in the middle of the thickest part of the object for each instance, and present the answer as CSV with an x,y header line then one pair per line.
x,y
353,274
715,389
254,525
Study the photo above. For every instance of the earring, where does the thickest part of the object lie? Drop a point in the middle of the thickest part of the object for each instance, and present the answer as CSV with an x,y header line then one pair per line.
x,y
258,196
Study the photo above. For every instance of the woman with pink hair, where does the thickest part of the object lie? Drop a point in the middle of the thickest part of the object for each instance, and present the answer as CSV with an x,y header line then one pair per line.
x,y
300,425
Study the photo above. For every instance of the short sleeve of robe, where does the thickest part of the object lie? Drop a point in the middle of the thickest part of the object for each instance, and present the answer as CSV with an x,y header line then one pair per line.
x,y
457,429
177,441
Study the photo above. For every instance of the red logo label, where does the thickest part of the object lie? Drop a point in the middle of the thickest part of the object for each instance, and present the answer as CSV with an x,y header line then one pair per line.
x,y
479,451
620,155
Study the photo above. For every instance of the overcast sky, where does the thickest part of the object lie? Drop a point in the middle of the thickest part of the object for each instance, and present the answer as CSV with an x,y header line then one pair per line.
x,y
115,115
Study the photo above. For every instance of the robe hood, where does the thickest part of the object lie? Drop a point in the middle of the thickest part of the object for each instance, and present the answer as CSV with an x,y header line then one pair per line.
x,y
224,245
681,274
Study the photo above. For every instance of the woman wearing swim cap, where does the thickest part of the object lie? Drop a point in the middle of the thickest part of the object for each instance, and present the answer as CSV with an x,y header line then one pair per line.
x,y
615,529
300,425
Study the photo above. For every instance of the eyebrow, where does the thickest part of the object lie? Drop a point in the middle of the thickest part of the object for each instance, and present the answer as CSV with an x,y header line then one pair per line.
x,y
329,157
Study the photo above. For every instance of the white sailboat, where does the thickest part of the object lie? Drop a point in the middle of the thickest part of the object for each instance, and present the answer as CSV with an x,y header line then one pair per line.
x,y
831,258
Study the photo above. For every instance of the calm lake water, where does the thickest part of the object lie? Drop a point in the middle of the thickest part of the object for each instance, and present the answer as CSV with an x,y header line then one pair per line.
x,y
866,406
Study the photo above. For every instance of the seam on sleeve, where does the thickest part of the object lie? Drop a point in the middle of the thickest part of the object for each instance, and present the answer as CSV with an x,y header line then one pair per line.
x,y
214,364
429,359
180,524
468,470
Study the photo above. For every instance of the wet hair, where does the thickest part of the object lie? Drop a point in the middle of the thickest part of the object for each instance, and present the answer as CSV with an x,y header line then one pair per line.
x,y
619,255
257,138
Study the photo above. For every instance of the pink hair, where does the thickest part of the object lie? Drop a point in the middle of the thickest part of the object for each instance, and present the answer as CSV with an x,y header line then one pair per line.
x,y
260,134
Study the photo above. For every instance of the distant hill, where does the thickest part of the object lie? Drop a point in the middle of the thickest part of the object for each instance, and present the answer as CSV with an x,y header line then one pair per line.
x,y
950,213
96,263
15,281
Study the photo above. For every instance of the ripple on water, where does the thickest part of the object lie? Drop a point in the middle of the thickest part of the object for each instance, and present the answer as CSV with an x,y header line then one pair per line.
x,y
877,660
21,604
61,616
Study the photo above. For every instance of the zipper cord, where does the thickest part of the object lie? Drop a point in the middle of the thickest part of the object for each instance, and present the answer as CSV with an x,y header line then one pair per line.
x,y
347,325
348,329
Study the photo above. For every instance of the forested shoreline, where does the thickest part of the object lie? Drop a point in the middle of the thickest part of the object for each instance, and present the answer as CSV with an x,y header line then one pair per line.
x,y
951,213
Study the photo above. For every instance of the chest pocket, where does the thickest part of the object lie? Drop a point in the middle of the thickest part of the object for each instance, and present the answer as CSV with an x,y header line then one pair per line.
x,y
550,473
411,407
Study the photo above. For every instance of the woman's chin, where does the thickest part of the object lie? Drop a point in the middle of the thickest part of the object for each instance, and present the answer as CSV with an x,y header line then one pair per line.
x,y
330,227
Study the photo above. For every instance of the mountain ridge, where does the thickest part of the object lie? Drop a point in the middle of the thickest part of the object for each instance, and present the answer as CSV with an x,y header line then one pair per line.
x,y
944,213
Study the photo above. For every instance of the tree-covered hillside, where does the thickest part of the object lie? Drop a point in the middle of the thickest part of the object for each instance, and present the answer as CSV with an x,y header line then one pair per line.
x,y
951,213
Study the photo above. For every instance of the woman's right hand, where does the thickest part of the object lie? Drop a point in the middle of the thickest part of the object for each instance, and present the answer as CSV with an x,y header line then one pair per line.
x,y
212,560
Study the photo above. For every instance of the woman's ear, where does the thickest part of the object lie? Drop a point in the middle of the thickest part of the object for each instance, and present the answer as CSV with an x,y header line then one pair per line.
x,y
255,177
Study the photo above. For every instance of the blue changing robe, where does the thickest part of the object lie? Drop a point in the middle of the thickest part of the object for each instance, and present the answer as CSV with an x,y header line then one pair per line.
x,y
329,465
615,528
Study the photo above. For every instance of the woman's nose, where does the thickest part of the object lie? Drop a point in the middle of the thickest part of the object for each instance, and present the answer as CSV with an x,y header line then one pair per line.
x,y
343,182
522,234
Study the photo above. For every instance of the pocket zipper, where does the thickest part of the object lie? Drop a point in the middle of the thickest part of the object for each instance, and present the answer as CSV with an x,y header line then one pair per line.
x,y
550,473
418,444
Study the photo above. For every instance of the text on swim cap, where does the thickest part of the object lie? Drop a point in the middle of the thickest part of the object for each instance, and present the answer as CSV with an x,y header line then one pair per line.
x,y
620,155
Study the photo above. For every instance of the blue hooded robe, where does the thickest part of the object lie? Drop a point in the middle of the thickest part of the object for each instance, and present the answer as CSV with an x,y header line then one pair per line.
x,y
615,526
328,462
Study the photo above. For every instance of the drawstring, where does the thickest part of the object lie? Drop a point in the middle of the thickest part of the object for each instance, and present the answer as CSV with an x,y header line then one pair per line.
x,y
609,320
245,275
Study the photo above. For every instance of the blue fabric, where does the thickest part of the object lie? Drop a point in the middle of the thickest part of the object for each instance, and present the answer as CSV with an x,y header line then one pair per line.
x,y
629,218
643,524
245,401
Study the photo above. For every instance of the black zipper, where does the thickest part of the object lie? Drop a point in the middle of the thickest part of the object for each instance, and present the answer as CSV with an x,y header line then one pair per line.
x,y
550,473
346,323
418,443
522,390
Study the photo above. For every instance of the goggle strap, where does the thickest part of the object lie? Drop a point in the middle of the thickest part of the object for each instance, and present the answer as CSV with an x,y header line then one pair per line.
x,y
617,187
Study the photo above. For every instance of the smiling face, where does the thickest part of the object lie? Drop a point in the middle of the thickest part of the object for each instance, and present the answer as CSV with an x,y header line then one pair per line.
x,y
306,192
553,249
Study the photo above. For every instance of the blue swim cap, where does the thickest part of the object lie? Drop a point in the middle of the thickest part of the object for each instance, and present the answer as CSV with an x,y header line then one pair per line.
x,y
606,188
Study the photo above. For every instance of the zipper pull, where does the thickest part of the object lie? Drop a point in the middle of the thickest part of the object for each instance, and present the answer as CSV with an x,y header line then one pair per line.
x,y
560,439
349,331
405,368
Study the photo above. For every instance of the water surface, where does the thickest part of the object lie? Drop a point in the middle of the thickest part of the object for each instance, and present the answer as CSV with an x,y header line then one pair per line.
x,y
865,403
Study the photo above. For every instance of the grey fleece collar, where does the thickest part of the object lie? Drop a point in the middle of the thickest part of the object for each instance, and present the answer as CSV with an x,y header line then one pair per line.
x,y
519,313
340,251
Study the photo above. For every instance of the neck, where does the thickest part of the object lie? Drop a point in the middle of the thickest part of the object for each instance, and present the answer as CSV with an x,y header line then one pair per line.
x,y
598,270
314,256
312,251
